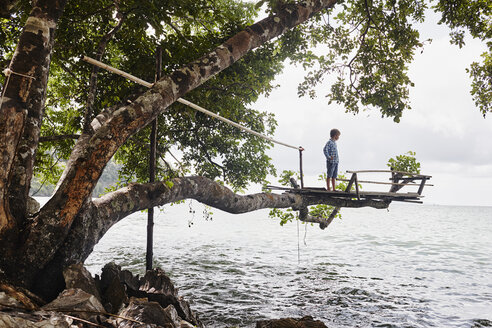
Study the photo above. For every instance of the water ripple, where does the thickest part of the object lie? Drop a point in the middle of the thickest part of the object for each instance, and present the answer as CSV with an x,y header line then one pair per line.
x,y
418,266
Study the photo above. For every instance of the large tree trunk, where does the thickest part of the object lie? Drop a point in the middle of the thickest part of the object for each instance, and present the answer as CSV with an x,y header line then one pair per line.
x,y
70,224
21,114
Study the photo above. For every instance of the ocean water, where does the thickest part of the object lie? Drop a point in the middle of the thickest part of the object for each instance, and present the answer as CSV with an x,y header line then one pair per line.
x,y
411,266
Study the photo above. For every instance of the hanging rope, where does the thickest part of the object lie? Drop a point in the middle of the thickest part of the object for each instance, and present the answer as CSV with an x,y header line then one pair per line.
x,y
298,246
198,108
7,72
186,102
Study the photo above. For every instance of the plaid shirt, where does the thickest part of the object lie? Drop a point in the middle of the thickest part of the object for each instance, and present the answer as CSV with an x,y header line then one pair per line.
x,y
330,150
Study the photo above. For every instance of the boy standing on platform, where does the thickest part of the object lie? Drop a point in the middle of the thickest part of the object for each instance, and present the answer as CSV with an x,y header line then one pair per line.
x,y
331,153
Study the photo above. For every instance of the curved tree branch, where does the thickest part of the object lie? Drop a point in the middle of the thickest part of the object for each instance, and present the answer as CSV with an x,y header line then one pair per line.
x,y
102,213
116,205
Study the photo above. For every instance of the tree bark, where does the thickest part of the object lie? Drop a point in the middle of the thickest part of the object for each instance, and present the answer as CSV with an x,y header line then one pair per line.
x,y
22,112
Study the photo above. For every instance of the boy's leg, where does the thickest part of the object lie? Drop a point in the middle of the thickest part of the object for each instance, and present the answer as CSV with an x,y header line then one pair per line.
x,y
328,175
334,175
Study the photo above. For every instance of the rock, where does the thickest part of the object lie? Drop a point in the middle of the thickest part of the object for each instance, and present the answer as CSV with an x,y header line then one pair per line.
x,y
304,322
109,271
114,292
7,301
117,285
156,281
77,276
148,313
115,296
21,296
76,301
130,280
157,287
21,319
186,324
35,320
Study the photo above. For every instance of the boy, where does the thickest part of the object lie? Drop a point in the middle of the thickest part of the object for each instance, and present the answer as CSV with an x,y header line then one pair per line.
x,y
331,153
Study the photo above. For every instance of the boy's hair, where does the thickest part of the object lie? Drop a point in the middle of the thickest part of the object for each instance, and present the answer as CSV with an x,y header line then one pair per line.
x,y
334,132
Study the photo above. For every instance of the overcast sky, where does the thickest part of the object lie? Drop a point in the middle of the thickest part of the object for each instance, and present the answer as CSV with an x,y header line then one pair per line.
x,y
450,136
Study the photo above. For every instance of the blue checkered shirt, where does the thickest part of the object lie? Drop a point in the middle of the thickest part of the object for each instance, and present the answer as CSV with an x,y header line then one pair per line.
x,y
330,150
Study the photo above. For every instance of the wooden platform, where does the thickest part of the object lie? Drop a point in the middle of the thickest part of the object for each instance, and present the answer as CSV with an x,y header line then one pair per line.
x,y
399,180
376,195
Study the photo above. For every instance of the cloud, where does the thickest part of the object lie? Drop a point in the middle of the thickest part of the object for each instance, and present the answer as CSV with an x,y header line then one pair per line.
x,y
449,135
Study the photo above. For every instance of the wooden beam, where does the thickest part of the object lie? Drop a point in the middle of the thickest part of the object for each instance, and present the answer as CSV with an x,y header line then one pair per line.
x,y
356,186
351,182
389,171
388,183
421,188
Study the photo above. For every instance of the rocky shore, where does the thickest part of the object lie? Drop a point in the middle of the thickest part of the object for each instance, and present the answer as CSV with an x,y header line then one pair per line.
x,y
116,299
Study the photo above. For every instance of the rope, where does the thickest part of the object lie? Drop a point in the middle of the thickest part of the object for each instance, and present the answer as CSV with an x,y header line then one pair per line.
x,y
186,102
5,87
298,246
7,72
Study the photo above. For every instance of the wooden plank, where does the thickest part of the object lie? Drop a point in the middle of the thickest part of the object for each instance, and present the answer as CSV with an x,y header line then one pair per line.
x,y
356,187
351,182
389,171
373,194
362,194
390,194
408,201
387,183
421,188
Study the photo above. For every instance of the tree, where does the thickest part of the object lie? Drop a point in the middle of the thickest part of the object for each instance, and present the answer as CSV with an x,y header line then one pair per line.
x,y
372,42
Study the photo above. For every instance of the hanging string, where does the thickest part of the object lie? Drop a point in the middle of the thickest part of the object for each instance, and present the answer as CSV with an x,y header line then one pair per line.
x,y
305,233
5,87
298,247
7,72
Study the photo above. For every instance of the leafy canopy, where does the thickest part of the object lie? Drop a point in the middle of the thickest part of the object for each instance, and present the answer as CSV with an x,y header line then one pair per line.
x,y
405,163
367,44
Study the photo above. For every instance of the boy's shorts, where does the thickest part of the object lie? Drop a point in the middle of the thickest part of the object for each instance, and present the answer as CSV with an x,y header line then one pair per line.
x,y
331,170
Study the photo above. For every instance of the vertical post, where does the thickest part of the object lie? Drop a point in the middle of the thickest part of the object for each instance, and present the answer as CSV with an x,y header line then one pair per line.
x,y
356,186
152,162
300,167
422,184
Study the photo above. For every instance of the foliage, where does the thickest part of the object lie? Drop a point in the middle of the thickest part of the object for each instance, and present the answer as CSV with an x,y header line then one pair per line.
x,y
474,17
324,211
284,178
188,142
285,216
405,163
319,210
482,83
367,44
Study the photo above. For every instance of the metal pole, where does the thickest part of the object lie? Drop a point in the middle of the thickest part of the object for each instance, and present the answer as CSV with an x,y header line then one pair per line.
x,y
152,164
300,167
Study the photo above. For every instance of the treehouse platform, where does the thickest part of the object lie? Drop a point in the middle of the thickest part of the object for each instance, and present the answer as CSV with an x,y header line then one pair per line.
x,y
397,181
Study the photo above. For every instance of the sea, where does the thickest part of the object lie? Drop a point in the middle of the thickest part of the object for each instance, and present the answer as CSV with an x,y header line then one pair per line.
x,y
412,265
